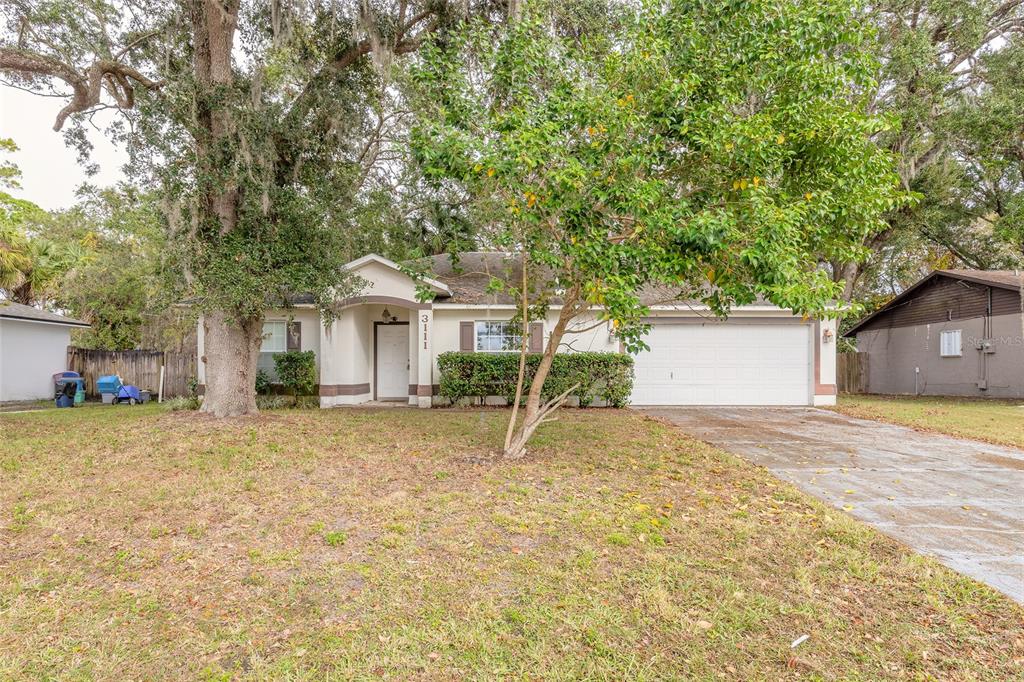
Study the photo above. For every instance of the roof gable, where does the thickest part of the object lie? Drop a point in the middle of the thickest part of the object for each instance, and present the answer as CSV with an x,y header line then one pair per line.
x,y
383,273
1008,282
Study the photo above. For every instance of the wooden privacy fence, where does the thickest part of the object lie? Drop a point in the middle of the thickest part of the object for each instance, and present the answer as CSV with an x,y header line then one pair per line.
x,y
137,367
852,372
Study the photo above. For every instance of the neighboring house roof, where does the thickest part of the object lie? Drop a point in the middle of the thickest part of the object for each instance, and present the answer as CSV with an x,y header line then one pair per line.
x,y
17,311
1004,279
1011,280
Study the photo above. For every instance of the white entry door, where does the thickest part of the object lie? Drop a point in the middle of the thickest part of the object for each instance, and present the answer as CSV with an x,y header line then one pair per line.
x,y
724,364
392,362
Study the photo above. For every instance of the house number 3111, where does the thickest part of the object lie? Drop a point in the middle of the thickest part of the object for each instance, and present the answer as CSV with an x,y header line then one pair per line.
x,y
425,319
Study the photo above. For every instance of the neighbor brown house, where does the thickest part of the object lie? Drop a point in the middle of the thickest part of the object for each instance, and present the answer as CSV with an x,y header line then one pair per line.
x,y
956,332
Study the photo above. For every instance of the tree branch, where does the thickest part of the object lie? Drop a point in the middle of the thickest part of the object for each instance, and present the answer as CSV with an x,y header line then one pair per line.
x,y
116,78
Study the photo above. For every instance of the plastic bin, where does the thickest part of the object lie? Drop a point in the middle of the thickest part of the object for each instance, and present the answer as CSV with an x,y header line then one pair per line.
x,y
111,383
62,378
71,393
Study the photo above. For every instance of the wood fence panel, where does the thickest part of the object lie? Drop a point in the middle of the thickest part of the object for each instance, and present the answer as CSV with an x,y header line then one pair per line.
x,y
852,372
137,367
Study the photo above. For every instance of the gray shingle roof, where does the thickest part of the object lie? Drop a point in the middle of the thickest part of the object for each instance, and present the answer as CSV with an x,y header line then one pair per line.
x,y
1006,279
469,276
17,311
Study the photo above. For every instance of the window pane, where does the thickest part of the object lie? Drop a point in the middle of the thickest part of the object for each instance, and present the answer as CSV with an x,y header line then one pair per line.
x,y
509,342
950,343
274,339
497,337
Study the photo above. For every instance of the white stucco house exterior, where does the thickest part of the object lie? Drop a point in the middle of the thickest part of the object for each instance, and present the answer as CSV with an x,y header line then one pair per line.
x,y
384,344
33,347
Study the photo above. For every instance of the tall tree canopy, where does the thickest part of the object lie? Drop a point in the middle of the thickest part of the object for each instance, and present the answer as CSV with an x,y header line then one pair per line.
x,y
719,150
948,75
251,117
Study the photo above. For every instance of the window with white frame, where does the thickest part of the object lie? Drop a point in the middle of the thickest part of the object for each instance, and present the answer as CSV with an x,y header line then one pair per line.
x,y
497,337
950,345
275,336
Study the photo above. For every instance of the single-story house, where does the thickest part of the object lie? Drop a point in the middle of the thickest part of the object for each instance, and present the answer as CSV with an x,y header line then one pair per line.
x,y
33,347
955,332
383,344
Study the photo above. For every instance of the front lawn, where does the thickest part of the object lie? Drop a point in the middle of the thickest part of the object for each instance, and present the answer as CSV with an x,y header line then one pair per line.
x,y
993,421
364,544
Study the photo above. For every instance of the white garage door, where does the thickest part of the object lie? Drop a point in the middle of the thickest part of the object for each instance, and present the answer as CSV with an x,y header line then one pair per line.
x,y
724,364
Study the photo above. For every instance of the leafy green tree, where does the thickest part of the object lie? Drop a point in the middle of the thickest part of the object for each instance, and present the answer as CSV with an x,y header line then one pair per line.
x,y
989,143
716,149
119,283
943,68
249,116
30,265
14,256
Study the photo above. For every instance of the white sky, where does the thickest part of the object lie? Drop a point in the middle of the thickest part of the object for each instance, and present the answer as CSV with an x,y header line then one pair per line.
x,y
50,172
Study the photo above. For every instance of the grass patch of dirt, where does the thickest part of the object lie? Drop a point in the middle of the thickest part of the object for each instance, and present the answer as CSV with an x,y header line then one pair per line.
x,y
369,544
993,421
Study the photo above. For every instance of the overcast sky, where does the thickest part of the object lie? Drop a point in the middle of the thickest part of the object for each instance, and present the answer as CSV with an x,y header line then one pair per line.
x,y
50,173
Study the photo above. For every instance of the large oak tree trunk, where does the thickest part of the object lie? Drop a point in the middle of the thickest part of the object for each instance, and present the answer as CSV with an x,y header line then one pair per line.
x,y
232,341
231,349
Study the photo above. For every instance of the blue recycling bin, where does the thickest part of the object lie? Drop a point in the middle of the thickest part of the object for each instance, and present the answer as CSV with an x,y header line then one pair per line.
x,y
110,383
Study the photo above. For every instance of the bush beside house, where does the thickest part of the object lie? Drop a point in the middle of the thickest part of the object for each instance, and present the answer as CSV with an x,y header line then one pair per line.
x,y
607,377
296,371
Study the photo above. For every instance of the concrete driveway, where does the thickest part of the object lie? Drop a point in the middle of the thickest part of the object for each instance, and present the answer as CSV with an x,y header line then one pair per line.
x,y
960,501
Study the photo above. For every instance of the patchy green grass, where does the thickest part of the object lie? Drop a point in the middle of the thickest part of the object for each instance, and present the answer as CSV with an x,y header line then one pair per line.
x,y
993,421
355,544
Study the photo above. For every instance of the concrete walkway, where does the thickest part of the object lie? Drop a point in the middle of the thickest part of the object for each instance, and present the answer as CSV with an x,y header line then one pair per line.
x,y
961,501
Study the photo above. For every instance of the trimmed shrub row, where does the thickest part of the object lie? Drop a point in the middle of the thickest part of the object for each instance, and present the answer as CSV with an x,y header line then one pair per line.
x,y
604,376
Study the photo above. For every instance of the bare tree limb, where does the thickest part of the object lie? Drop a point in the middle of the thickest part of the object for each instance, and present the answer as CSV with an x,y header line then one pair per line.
x,y
118,79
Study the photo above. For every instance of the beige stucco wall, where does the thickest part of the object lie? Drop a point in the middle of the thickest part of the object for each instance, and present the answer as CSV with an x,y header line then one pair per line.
x,y
348,349
30,354
382,280
893,355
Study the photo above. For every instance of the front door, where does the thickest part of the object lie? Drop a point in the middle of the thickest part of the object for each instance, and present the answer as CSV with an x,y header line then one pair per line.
x,y
392,374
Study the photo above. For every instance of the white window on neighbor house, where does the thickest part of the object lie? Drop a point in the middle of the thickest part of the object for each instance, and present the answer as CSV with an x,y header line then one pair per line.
x,y
275,336
950,345
497,337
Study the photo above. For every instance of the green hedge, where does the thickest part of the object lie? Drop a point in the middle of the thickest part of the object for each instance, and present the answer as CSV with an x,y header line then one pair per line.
x,y
606,376
296,370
